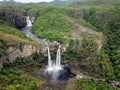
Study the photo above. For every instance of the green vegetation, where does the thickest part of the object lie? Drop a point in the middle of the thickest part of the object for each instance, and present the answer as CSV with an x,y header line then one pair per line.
x,y
15,76
89,84
82,47
107,21
11,17
99,65
52,23
6,31
55,23
73,24
86,54
90,28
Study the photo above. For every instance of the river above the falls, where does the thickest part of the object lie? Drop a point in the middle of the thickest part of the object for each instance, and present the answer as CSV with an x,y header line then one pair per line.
x,y
29,34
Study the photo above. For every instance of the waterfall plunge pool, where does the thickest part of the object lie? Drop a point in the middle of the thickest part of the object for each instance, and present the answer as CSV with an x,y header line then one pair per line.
x,y
59,74
55,70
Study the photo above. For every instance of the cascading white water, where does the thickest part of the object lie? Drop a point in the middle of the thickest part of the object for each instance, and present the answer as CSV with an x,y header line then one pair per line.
x,y
51,65
49,59
27,31
58,58
29,23
54,68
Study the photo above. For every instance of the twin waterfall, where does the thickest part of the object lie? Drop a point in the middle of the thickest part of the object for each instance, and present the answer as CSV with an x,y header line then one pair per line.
x,y
54,69
51,65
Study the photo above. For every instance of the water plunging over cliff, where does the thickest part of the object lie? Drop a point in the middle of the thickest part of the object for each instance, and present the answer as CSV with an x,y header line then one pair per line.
x,y
54,66
49,59
58,57
29,23
55,70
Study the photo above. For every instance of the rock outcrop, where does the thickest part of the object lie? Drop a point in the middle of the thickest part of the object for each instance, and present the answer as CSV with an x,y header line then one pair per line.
x,y
13,51
16,18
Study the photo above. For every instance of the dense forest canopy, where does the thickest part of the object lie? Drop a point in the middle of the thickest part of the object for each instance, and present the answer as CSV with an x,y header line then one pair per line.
x,y
88,31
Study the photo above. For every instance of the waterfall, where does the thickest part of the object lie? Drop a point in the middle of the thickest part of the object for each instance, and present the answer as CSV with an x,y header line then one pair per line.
x,y
54,66
55,70
49,59
58,58
28,21
27,31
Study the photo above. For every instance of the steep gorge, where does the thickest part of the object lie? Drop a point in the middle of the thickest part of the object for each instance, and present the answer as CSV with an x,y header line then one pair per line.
x,y
82,49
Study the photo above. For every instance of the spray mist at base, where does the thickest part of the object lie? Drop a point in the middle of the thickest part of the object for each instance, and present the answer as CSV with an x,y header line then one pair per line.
x,y
55,70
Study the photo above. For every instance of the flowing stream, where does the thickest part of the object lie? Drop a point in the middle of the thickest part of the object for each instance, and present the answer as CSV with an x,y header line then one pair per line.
x,y
29,34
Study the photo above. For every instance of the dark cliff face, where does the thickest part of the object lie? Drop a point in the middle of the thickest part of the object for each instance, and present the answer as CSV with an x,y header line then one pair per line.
x,y
17,18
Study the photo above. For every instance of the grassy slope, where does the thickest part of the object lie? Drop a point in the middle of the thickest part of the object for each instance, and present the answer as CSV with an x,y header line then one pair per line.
x,y
16,75
11,34
89,84
58,23
52,23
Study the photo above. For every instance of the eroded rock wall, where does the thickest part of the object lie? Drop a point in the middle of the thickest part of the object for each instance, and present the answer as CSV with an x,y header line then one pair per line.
x,y
13,51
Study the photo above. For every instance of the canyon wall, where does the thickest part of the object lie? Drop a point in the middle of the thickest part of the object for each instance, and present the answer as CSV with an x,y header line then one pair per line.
x,y
13,51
